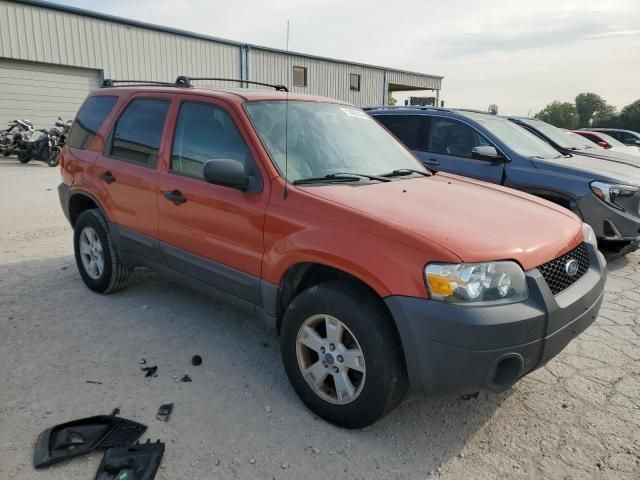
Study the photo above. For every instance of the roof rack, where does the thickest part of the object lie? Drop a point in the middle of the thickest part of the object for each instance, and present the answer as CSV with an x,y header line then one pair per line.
x,y
183,81
108,82
424,107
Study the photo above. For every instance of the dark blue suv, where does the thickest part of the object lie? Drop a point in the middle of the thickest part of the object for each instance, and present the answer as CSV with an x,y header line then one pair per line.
x,y
605,194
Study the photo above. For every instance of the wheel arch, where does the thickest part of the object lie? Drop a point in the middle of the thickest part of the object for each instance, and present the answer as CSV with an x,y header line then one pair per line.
x,y
304,275
79,201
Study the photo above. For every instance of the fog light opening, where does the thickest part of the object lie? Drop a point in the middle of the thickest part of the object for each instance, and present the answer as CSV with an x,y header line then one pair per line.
x,y
506,371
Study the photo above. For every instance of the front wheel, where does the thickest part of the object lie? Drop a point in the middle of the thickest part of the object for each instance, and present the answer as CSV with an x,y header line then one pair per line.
x,y
342,354
54,157
23,158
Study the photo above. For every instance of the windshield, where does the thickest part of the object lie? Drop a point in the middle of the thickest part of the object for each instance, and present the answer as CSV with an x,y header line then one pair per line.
x,y
325,139
518,139
610,140
560,137
581,142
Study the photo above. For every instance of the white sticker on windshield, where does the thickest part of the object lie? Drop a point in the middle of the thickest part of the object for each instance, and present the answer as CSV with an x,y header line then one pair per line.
x,y
354,112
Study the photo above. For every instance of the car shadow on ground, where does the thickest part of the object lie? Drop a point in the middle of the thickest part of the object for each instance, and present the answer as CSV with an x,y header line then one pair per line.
x,y
59,335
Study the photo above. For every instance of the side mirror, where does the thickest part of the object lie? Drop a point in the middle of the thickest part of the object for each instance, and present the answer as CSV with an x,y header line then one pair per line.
x,y
226,172
486,152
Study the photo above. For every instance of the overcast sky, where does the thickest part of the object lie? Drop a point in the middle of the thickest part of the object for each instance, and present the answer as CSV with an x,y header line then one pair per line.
x,y
518,54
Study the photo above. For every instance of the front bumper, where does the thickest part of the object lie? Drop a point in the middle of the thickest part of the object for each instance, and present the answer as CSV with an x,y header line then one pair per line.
x,y
450,349
609,223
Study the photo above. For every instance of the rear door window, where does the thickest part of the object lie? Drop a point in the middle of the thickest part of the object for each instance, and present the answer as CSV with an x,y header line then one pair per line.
x,y
205,132
89,120
450,137
406,127
138,132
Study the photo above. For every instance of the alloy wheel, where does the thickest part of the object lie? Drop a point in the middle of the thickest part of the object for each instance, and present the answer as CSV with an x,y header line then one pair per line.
x,y
330,359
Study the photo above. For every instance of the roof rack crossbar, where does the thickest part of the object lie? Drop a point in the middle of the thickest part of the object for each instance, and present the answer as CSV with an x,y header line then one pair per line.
x,y
108,82
183,81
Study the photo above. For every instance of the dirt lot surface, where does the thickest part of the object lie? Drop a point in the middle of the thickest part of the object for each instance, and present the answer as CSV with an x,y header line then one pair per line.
x,y
579,417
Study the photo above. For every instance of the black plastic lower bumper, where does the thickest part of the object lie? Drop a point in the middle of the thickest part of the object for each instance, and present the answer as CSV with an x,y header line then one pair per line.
x,y
451,349
64,193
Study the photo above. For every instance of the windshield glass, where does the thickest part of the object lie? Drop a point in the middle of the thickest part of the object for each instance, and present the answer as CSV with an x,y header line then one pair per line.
x,y
610,140
326,138
558,136
518,139
581,142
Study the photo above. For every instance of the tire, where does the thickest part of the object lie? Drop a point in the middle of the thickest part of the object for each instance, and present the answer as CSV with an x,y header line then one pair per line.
x,y
379,381
113,275
23,158
54,157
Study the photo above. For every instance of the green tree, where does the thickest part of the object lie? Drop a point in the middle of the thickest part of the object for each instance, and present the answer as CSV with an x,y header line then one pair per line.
x,y
593,109
560,114
493,109
629,117
391,100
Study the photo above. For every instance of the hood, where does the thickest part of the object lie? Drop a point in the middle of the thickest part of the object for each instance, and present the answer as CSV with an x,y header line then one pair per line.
x,y
474,220
626,150
613,155
595,168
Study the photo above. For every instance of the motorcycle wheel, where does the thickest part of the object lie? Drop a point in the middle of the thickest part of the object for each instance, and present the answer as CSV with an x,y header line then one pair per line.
x,y
54,158
23,158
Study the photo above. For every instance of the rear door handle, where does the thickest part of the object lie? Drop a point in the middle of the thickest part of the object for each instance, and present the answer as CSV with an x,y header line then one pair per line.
x,y
108,177
175,196
431,161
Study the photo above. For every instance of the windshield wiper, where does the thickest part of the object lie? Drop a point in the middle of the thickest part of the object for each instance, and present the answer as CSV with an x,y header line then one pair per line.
x,y
339,177
405,171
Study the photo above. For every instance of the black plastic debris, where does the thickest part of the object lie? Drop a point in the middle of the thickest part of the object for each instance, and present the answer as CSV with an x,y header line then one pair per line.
x,y
94,382
75,438
186,378
196,360
143,361
164,411
137,462
470,396
150,371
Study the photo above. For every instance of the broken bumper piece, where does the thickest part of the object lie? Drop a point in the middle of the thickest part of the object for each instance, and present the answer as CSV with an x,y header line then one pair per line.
x,y
137,462
75,438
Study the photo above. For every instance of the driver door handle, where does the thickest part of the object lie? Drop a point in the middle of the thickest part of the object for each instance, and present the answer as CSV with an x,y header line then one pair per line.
x,y
431,161
175,196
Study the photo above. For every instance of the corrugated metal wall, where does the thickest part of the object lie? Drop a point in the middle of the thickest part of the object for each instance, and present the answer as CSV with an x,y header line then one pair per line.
x,y
123,51
35,33
414,80
326,78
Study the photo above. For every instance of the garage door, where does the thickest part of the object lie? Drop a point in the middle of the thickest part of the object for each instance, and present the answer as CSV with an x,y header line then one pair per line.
x,y
42,92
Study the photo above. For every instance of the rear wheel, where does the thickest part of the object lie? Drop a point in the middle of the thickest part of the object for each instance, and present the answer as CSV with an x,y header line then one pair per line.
x,y
22,158
98,262
342,354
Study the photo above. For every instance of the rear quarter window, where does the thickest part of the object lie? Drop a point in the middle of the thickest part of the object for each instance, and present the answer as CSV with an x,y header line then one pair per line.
x,y
89,120
138,132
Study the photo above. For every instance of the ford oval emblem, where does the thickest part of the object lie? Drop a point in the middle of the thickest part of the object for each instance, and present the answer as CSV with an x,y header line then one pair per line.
x,y
571,267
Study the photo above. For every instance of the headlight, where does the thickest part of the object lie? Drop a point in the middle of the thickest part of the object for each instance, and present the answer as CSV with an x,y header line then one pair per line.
x,y
589,235
476,283
610,193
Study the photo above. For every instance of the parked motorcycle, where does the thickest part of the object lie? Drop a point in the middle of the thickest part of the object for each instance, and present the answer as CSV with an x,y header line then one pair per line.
x,y
28,144
16,131
58,136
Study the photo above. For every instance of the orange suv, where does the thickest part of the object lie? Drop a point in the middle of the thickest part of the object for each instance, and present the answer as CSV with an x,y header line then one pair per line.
x,y
377,274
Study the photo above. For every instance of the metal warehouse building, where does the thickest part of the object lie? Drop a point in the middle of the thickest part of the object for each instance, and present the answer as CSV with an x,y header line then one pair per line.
x,y
51,56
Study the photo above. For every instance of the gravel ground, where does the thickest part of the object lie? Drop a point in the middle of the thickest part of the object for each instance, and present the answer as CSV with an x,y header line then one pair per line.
x,y
579,417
